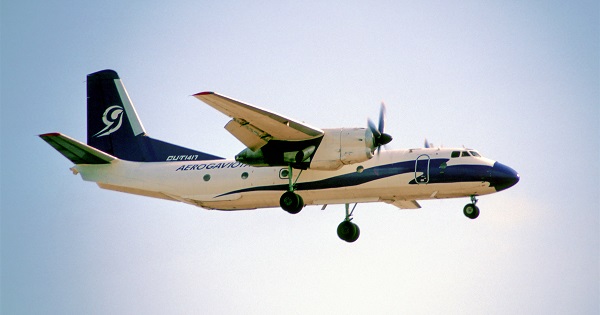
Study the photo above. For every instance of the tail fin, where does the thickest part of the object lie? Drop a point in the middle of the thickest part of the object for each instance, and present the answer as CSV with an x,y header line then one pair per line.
x,y
114,126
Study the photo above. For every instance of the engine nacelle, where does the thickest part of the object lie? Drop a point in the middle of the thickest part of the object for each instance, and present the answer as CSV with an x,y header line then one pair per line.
x,y
343,146
276,157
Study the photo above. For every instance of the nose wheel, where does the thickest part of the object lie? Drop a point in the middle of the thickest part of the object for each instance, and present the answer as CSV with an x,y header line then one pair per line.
x,y
471,211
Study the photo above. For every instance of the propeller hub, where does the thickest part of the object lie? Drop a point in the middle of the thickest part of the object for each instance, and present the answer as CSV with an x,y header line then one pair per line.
x,y
384,139
379,137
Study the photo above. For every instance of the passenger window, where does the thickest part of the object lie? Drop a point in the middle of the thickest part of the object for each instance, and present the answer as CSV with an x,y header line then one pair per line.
x,y
283,173
474,153
465,153
455,154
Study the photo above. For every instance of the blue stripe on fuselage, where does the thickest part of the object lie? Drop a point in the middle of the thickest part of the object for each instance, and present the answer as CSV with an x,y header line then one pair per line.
x,y
458,173
437,174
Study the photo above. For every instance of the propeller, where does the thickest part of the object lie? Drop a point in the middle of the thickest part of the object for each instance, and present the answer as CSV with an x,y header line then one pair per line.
x,y
379,137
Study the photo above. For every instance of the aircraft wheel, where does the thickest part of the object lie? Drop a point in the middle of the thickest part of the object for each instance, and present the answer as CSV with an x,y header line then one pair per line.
x,y
471,211
291,202
299,206
348,231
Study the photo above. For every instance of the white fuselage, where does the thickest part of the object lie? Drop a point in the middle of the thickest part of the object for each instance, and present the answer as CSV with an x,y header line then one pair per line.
x,y
391,176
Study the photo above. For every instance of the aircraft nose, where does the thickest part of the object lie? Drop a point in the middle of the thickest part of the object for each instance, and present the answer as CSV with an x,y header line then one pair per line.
x,y
503,177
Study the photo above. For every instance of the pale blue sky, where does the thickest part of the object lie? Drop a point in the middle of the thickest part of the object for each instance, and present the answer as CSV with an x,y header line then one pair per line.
x,y
519,81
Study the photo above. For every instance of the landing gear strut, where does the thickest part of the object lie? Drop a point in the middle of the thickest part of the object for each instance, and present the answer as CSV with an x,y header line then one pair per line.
x,y
291,201
471,211
347,230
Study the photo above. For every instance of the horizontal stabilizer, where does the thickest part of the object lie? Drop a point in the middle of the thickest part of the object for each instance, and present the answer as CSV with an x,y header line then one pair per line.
x,y
77,152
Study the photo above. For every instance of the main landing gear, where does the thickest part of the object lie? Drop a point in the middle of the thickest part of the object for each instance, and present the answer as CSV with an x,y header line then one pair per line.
x,y
291,201
347,230
471,211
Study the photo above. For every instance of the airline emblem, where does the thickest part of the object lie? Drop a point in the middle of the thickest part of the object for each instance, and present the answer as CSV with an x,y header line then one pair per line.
x,y
112,118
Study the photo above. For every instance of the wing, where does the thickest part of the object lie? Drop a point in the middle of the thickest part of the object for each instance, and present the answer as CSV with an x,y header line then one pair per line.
x,y
255,126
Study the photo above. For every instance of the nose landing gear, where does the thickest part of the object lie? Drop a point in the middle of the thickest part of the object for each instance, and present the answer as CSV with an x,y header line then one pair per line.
x,y
471,211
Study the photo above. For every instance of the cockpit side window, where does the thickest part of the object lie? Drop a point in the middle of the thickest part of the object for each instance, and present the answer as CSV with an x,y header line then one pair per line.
x,y
455,154
465,153
474,153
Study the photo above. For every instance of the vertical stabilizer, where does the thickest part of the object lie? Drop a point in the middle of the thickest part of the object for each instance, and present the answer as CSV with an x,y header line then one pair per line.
x,y
113,124
115,128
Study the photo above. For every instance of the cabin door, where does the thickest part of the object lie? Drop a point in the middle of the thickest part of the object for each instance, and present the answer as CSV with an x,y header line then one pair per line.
x,y
422,169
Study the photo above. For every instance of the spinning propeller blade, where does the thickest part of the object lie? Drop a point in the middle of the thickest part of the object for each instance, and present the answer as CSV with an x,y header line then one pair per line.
x,y
379,137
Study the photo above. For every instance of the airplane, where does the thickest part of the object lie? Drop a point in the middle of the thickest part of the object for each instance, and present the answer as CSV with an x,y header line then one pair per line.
x,y
285,163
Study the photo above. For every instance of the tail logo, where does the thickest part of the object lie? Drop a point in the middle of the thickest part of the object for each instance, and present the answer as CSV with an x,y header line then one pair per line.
x,y
112,118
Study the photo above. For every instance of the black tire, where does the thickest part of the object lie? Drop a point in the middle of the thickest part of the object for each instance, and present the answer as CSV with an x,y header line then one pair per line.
x,y
291,202
471,211
299,206
348,231
356,233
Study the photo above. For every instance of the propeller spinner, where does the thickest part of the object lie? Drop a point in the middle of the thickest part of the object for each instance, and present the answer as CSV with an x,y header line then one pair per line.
x,y
379,137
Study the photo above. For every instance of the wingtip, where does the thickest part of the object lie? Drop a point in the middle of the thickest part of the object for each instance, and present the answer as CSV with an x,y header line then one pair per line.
x,y
203,93
50,134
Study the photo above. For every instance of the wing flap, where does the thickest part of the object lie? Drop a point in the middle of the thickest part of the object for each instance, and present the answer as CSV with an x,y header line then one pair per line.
x,y
405,204
77,152
248,134
255,126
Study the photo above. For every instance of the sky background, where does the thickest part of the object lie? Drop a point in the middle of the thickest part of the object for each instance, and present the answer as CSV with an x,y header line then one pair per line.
x,y
517,80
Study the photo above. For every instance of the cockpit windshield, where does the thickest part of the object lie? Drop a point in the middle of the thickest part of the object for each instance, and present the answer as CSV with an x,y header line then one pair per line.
x,y
465,153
